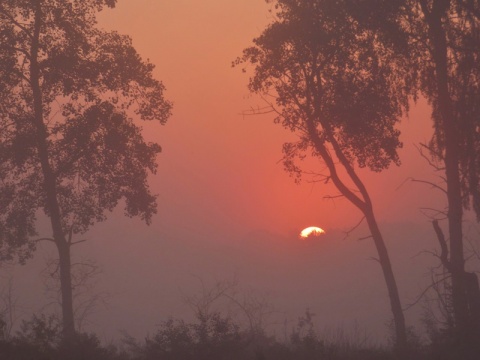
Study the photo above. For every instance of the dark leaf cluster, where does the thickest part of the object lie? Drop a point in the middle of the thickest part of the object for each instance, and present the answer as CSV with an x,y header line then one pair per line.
x,y
407,23
328,73
94,87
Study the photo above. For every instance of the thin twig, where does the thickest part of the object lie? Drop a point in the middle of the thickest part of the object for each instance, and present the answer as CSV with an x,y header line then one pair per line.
x,y
44,239
433,185
432,285
348,232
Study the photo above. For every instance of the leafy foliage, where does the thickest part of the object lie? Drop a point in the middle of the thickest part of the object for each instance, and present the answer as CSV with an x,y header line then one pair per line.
x,y
443,39
92,83
217,337
210,337
407,26
323,68
342,91
214,338
463,42
41,338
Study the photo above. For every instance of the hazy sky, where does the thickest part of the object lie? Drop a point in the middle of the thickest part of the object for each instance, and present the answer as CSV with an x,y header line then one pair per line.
x,y
222,166
222,188
225,204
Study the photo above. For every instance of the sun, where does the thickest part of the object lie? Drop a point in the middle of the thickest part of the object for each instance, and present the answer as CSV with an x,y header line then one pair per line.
x,y
311,231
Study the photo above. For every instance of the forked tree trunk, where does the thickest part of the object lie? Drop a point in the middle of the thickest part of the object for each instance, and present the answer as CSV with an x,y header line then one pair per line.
x,y
364,204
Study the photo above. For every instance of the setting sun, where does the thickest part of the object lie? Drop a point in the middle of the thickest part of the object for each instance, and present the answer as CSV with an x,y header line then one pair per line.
x,y
312,230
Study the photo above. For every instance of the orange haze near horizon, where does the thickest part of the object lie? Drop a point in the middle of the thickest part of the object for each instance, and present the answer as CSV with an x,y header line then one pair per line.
x,y
219,168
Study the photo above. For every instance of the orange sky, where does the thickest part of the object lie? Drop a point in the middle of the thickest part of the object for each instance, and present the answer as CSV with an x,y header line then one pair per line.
x,y
225,204
220,168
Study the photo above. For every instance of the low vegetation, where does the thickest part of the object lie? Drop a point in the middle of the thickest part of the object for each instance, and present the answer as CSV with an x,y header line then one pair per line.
x,y
213,336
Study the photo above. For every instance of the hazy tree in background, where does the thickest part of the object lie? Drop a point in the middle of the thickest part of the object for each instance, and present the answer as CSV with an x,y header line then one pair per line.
x,y
339,89
68,145
451,82
443,42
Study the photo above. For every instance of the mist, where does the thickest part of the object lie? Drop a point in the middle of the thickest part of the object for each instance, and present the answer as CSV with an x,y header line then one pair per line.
x,y
224,232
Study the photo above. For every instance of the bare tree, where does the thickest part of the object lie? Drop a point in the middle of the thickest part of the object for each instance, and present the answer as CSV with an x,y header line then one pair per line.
x,y
227,295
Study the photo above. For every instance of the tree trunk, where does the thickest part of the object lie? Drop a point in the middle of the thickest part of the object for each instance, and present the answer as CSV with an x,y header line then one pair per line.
x,y
49,182
66,289
366,207
364,204
434,18
395,304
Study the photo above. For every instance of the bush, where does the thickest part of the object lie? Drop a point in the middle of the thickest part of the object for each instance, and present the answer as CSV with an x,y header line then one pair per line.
x,y
212,337
41,339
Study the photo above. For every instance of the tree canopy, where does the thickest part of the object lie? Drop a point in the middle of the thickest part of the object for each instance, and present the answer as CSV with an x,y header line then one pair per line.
x,y
443,40
329,75
92,84
342,91
71,147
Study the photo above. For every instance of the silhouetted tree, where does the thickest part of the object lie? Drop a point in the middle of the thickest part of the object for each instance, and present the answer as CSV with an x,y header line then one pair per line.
x,y
337,87
68,144
442,38
451,33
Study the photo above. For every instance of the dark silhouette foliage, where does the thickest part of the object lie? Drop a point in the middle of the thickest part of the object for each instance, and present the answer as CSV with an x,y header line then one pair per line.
x,y
439,42
342,91
41,338
69,145
212,337
218,337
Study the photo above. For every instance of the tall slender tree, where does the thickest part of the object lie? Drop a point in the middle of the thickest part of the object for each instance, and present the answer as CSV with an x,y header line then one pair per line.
x,y
452,36
337,87
69,145
442,38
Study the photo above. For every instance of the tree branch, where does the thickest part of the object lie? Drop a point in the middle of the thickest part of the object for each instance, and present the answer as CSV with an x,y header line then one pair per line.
x,y
45,239
443,245
348,232
15,22
417,300
433,185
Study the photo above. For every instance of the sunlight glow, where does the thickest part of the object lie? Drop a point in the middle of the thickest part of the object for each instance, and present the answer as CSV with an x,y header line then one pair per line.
x,y
312,230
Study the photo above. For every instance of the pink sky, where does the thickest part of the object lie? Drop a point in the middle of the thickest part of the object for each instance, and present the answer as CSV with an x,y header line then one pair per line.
x,y
225,203
219,163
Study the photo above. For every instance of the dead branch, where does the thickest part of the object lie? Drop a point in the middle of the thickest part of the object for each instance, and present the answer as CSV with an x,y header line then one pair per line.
x,y
257,111
348,232
78,242
428,160
333,197
433,185
201,304
473,249
443,245
436,212
424,292
44,239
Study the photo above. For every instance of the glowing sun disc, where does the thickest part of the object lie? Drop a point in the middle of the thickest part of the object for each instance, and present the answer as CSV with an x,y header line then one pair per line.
x,y
312,230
